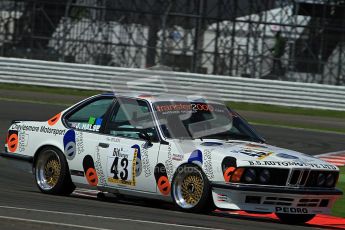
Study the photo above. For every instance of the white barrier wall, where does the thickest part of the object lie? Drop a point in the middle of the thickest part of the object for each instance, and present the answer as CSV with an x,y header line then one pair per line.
x,y
57,74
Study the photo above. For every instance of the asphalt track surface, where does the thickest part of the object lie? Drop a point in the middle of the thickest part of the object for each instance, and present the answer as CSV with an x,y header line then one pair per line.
x,y
22,206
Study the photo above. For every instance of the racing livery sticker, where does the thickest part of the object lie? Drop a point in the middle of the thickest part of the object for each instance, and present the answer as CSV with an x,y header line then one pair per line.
x,y
90,171
80,142
69,143
52,121
228,166
291,163
196,157
138,164
145,160
252,152
94,124
122,166
12,141
162,180
23,138
99,168
169,169
208,164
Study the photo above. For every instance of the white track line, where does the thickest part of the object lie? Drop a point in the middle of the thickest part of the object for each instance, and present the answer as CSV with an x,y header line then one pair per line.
x,y
51,223
108,218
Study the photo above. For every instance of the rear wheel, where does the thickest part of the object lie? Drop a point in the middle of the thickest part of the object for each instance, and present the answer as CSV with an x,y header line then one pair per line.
x,y
191,190
295,218
52,173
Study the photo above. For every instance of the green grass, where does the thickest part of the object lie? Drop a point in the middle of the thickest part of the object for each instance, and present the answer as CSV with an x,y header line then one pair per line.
x,y
339,207
297,125
286,110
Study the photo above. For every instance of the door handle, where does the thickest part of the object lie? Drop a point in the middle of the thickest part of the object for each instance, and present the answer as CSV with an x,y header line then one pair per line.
x,y
103,145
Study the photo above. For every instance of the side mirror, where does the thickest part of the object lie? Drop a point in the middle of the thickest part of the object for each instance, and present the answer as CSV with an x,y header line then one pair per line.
x,y
143,135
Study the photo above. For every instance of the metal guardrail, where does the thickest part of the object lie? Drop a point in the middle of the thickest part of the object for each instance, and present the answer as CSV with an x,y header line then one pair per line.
x,y
78,76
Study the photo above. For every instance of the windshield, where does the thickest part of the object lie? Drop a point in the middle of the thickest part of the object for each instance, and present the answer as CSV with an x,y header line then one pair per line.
x,y
190,120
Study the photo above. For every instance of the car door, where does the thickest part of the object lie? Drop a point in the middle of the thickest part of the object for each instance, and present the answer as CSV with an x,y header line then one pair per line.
x,y
127,160
85,122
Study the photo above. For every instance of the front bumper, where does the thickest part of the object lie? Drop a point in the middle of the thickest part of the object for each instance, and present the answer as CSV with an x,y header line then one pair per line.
x,y
274,199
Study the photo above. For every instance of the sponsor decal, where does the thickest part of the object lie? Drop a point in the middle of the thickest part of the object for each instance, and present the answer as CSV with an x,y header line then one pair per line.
x,y
286,156
291,163
196,157
257,153
22,140
12,141
177,157
144,157
113,139
39,129
52,121
162,180
291,210
184,107
94,124
90,171
69,143
138,164
121,167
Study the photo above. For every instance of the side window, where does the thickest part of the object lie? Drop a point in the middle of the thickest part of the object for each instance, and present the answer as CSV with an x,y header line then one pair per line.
x,y
90,116
130,118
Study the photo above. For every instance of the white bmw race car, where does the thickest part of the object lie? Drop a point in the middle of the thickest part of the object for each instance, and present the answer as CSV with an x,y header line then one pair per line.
x,y
195,153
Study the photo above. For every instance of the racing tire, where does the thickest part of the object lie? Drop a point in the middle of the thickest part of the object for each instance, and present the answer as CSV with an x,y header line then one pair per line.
x,y
191,190
295,218
52,173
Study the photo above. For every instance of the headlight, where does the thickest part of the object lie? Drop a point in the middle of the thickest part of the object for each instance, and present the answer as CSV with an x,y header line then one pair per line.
x,y
321,179
330,180
250,175
265,176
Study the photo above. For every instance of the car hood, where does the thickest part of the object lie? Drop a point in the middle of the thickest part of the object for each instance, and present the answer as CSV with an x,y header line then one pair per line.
x,y
262,155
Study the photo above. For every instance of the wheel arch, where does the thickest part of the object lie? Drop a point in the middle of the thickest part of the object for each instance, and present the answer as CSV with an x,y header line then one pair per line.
x,y
187,164
37,152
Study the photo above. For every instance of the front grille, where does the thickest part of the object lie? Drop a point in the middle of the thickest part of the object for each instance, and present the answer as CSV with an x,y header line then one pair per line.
x,y
307,178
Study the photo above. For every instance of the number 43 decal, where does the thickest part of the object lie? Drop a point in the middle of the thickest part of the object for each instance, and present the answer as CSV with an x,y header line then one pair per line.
x,y
122,169
123,172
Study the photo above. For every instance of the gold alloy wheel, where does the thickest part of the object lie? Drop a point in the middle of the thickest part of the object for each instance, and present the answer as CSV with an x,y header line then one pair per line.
x,y
48,169
52,172
192,189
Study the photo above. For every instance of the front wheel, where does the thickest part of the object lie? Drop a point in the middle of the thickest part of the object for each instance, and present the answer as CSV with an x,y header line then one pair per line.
x,y
295,218
191,190
52,173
